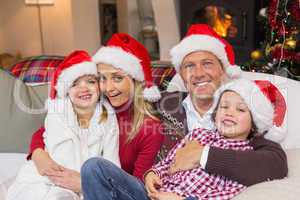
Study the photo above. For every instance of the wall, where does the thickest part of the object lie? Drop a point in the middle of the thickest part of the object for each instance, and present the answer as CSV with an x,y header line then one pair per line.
x,y
128,17
167,26
66,25
20,28
86,25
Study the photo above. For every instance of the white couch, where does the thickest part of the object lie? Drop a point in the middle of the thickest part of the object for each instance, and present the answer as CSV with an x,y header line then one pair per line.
x,y
289,187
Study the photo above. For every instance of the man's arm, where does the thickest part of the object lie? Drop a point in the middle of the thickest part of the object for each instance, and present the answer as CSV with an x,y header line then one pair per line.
x,y
267,162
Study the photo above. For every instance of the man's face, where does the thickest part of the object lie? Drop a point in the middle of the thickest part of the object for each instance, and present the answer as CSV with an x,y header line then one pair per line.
x,y
202,74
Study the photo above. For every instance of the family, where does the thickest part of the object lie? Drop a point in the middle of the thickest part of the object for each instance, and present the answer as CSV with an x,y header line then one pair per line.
x,y
110,133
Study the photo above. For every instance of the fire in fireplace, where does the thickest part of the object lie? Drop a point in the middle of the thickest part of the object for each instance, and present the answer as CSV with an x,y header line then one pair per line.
x,y
232,19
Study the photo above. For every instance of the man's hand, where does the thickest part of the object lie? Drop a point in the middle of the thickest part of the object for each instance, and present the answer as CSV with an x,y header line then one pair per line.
x,y
44,163
188,157
152,181
165,196
67,178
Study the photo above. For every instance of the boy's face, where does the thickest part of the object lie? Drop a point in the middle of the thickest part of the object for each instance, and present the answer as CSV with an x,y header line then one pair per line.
x,y
84,93
233,118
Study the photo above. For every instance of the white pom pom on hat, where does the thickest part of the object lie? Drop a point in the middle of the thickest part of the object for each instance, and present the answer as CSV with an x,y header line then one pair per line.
x,y
201,37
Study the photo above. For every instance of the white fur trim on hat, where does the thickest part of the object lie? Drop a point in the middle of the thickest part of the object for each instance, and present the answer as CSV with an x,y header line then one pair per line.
x,y
121,59
69,75
233,71
198,43
152,94
260,106
276,134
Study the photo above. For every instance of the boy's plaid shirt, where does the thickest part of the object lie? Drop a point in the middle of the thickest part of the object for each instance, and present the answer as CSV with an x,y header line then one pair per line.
x,y
197,182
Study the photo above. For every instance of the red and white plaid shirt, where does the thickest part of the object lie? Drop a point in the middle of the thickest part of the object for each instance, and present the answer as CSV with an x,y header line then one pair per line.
x,y
196,182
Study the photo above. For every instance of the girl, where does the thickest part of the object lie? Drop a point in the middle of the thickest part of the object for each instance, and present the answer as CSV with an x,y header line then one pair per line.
x,y
77,127
126,81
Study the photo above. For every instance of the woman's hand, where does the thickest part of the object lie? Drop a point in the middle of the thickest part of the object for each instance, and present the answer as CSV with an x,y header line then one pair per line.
x,y
44,163
165,196
152,181
67,178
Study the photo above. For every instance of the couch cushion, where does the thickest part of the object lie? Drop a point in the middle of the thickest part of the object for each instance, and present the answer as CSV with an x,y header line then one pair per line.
x,y
22,112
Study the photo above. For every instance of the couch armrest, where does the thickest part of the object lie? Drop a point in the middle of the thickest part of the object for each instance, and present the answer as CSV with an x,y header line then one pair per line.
x,y
287,188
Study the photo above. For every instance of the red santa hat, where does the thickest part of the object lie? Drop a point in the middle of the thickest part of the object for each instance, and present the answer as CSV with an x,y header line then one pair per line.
x,y
75,65
125,53
266,103
201,37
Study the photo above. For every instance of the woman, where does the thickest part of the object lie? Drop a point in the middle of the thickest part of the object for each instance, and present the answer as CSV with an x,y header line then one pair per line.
x,y
126,81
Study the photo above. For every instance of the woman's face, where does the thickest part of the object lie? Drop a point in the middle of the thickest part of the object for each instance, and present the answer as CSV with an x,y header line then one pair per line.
x,y
233,118
84,92
117,86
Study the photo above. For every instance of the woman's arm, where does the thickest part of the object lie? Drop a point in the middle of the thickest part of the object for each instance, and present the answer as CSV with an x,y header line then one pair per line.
x,y
37,142
44,164
267,162
149,141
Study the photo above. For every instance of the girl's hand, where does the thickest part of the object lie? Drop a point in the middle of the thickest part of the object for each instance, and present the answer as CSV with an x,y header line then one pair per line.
x,y
44,163
165,196
67,178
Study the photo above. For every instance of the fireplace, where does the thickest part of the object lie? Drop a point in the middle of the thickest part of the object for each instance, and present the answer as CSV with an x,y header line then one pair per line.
x,y
234,20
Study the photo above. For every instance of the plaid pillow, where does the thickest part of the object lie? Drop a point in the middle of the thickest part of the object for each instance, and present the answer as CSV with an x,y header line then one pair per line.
x,y
162,73
37,69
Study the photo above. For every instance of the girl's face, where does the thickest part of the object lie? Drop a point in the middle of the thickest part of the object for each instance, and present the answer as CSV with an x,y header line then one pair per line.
x,y
117,86
233,118
84,93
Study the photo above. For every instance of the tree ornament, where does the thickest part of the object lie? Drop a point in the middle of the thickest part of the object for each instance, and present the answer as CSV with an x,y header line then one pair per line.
x,y
290,43
256,55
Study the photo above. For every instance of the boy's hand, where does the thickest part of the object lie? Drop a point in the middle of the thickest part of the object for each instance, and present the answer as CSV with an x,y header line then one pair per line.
x,y
165,196
152,181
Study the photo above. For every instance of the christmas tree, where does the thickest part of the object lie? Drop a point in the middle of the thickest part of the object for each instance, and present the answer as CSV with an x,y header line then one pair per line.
x,y
279,53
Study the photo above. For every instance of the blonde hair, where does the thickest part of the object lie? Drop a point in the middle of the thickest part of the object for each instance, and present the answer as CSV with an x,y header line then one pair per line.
x,y
141,109
104,115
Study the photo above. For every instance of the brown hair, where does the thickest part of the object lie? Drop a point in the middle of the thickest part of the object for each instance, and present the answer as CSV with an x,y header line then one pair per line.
x,y
253,131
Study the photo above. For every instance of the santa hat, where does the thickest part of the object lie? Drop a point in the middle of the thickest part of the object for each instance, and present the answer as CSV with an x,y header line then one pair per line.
x,y
201,37
75,65
124,52
266,103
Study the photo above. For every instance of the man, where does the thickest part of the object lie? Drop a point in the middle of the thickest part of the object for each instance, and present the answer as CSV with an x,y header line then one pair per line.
x,y
205,61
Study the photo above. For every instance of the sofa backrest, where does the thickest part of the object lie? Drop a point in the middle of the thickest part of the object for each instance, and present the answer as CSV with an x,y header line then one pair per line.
x,y
22,113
